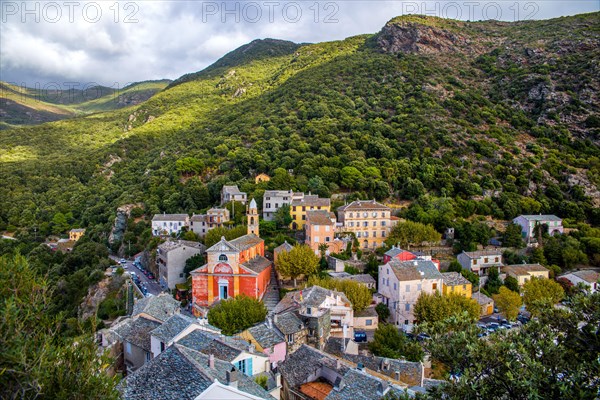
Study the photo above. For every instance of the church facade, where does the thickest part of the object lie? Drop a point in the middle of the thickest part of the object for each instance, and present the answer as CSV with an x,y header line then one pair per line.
x,y
233,268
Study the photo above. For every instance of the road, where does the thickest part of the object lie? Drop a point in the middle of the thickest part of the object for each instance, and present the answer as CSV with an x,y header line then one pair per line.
x,y
152,286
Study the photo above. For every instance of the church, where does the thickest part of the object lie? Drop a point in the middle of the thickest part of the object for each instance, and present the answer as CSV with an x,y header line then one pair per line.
x,y
232,268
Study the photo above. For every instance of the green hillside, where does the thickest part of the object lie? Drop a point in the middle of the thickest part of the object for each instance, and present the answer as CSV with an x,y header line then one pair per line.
x,y
482,118
30,106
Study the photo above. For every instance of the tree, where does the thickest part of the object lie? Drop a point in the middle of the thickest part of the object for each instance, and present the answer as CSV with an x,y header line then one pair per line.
x,y
435,307
59,223
493,283
512,284
372,266
508,302
237,314
389,342
282,216
36,362
301,260
383,312
190,236
407,233
359,295
455,267
512,236
214,235
192,263
541,294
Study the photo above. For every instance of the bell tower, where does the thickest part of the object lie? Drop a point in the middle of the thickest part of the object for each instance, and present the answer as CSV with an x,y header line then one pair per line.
x,y
252,216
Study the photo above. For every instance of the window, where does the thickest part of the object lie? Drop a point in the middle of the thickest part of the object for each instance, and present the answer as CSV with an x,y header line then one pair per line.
x,y
374,234
382,233
464,287
496,259
316,239
294,208
245,367
181,275
162,346
434,286
148,356
407,307
474,262
290,338
327,228
351,224
382,223
303,208
127,347
365,214
369,322
419,287
405,322
485,260
222,257
387,271
374,215
308,310
394,285
350,215
268,205
327,239
366,223
407,288
276,205
304,217
374,223
358,234
366,234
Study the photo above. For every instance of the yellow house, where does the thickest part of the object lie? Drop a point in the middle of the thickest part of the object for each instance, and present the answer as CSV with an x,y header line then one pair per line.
x,y
524,272
455,283
309,202
76,234
262,178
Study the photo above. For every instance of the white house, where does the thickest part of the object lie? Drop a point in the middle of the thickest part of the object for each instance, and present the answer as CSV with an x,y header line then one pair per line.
x,y
273,200
402,282
587,277
480,262
166,224
214,218
232,193
551,223
171,257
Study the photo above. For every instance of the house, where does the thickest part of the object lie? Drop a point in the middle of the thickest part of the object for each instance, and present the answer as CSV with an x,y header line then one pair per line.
x,y
167,224
486,304
480,262
285,246
455,283
401,284
587,277
233,267
550,224
232,193
398,254
367,319
170,259
524,272
364,279
267,339
200,224
76,234
174,328
313,374
181,373
293,328
320,229
323,311
157,308
262,178
300,206
369,220
135,336
273,200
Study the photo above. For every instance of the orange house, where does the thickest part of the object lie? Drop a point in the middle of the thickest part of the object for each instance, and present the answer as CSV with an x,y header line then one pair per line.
x,y
233,268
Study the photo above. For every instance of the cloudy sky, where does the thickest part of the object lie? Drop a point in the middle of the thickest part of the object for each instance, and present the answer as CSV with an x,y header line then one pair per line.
x,y
118,42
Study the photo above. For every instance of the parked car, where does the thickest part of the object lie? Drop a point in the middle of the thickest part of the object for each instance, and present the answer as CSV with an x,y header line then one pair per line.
x,y
421,337
150,276
360,336
122,261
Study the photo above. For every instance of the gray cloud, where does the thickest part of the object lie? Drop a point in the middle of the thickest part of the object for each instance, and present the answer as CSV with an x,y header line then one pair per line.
x,y
121,42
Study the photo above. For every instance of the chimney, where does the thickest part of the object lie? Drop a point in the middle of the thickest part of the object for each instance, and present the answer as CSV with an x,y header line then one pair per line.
x,y
360,366
278,379
382,388
270,322
251,348
275,318
211,361
339,384
232,378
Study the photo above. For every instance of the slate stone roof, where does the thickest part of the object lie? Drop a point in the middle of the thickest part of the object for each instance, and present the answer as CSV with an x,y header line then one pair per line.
x,y
77,230
311,201
264,336
303,362
524,269
367,312
170,217
363,278
483,253
541,217
197,339
137,332
313,296
411,270
288,323
246,241
199,218
364,205
334,345
221,350
284,247
258,264
588,275
222,246
320,217
180,373
481,298
170,245
408,372
394,251
232,189
172,327
454,279
278,193
358,385
160,307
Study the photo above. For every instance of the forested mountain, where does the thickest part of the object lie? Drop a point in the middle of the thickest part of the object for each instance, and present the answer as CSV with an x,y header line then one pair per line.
x,y
488,118
29,106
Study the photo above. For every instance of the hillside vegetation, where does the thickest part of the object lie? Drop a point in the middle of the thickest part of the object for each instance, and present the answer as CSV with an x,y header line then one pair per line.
x,y
464,118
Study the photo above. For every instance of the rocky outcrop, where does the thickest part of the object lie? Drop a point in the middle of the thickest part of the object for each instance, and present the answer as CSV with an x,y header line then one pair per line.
x,y
120,224
410,37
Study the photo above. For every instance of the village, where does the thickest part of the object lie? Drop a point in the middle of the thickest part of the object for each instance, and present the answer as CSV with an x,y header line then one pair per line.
x,y
312,342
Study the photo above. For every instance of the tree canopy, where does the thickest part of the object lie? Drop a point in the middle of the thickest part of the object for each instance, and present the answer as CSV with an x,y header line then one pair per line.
x,y
435,307
359,295
541,294
508,302
389,342
237,314
301,260
412,233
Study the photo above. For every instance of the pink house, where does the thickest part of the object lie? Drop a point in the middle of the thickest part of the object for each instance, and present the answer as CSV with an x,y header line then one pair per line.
x,y
267,340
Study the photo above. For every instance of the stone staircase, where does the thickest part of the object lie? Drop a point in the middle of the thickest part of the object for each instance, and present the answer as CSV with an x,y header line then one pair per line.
x,y
271,297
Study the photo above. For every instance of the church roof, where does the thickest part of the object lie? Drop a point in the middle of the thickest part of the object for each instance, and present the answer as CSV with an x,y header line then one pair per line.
x,y
258,264
253,204
222,246
245,242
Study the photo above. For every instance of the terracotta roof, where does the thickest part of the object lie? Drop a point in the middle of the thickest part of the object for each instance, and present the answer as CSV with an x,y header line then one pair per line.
x,y
414,270
170,217
320,217
246,241
258,264
524,269
454,279
364,205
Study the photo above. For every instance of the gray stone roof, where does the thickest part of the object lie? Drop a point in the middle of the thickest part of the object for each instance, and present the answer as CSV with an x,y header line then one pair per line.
x,y
297,368
313,296
221,350
284,247
258,264
541,217
414,270
363,278
288,323
408,372
161,307
587,275
197,339
394,251
358,385
364,205
170,245
524,269
170,217
483,253
334,345
172,327
246,241
180,373
311,201
77,230
136,331
454,279
481,298
264,336
367,312
232,189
